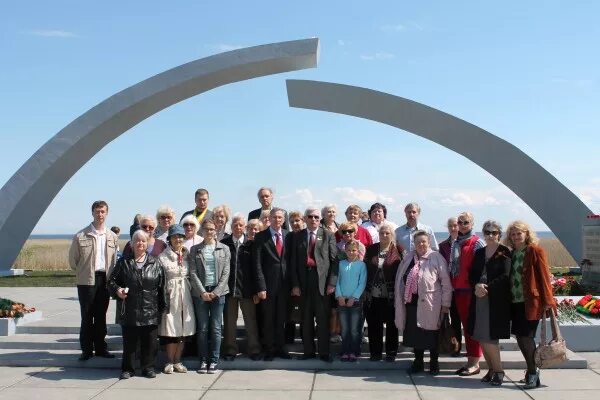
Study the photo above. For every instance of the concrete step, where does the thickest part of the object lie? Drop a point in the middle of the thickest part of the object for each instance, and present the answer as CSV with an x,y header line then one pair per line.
x,y
68,358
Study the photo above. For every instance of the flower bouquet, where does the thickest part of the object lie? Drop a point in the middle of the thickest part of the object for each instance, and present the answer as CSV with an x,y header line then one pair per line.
x,y
11,309
589,305
567,312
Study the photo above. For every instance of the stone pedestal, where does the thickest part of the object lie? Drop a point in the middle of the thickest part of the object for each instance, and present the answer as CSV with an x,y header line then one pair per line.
x,y
12,272
8,326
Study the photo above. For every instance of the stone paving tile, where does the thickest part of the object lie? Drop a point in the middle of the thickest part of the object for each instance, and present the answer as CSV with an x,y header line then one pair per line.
x,y
562,394
11,375
366,394
150,394
363,380
265,380
448,381
253,394
581,379
71,378
486,393
36,393
188,381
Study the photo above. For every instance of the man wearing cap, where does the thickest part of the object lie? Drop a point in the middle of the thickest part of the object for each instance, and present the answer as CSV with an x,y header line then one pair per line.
x,y
201,211
265,197
93,253
313,273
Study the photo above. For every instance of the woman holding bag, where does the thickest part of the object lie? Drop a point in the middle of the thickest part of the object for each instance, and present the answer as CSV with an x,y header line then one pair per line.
x,y
489,313
531,293
422,293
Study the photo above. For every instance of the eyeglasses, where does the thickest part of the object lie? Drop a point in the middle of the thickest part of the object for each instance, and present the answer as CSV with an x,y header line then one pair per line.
x,y
166,217
147,227
313,216
347,231
188,225
493,233
463,222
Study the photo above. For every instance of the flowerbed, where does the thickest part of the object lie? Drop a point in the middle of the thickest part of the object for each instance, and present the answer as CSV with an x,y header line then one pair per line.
x,y
589,305
12,309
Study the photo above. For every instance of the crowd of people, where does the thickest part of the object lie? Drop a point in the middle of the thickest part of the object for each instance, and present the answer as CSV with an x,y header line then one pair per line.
x,y
177,281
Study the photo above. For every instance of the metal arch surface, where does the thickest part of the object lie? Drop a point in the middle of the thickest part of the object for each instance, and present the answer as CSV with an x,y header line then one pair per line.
x,y
29,192
556,205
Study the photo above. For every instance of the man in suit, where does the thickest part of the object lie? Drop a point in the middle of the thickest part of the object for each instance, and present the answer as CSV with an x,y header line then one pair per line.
x,y
201,211
313,274
269,255
265,197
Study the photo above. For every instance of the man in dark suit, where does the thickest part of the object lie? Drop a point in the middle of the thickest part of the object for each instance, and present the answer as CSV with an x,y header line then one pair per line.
x,y
265,197
313,274
269,255
201,211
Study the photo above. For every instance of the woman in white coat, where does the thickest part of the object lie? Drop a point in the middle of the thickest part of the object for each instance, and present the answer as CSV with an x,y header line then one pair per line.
x,y
422,293
178,322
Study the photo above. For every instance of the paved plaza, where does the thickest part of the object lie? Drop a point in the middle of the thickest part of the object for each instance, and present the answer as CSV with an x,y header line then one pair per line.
x,y
50,349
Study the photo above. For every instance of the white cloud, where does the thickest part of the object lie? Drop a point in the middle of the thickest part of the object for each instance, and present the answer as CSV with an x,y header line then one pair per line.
x,y
377,56
393,28
52,33
362,196
340,42
590,194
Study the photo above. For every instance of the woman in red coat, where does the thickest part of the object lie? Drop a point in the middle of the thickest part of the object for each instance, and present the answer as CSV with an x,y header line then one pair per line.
x,y
531,292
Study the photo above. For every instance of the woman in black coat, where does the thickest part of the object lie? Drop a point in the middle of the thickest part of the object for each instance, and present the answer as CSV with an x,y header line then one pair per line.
x,y
489,314
139,284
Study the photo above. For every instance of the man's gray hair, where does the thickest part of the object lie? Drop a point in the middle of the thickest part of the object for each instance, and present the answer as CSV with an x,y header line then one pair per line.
x,y
277,209
310,210
413,205
238,217
264,188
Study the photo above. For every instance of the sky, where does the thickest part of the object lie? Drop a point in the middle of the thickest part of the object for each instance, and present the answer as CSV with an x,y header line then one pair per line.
x,y
528,72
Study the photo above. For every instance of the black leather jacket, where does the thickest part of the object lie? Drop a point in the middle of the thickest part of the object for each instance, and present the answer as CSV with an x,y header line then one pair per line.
x,y
146,299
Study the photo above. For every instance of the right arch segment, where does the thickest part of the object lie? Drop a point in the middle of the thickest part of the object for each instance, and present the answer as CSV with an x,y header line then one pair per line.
x,y
556,205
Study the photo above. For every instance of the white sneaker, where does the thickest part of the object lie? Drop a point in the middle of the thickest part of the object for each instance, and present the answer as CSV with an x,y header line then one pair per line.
x,y
212,368
179,367
168,369
203,367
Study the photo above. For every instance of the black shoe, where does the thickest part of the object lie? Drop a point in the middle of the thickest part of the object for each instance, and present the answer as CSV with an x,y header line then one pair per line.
x,y
434,368
532,380
375,357
390,357
149,373
256,357
125,375
284,354
326,358
105,354
268,357
497,379
416,367
456,354
487,377
85,356
308,356
466,372
229,357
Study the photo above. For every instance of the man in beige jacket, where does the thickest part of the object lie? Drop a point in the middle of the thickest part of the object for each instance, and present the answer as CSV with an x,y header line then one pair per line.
x,y
92,255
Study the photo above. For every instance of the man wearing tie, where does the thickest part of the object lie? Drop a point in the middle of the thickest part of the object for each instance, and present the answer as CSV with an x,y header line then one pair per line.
x,y
269,256
313,274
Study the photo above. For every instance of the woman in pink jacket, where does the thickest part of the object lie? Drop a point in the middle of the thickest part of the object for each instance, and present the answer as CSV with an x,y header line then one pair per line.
x,y
422,293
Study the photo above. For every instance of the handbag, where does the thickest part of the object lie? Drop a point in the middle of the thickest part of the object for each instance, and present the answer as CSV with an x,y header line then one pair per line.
x,y
447,341
554,352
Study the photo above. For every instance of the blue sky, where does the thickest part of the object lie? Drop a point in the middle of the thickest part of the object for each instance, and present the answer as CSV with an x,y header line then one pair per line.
x,y
526,71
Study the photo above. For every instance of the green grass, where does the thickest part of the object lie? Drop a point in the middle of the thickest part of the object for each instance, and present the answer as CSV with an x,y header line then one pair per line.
x,y
40,278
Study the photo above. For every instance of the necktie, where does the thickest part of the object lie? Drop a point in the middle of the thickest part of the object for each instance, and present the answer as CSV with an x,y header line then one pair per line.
x,y
310,260
278,244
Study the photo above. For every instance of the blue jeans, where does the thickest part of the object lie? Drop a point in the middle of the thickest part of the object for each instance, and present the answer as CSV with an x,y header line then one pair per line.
x,y
209,315
350,319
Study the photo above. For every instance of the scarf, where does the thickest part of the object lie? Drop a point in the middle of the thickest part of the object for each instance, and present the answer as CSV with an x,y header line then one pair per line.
x,y
412,280
454,265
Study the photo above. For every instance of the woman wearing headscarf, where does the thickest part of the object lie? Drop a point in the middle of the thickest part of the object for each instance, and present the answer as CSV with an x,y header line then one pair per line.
x,y
422,293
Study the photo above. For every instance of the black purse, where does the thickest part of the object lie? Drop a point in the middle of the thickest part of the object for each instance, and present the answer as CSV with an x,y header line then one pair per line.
x,y
447,341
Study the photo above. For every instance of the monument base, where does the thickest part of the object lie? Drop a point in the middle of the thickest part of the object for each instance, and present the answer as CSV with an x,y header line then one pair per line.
x,y
12,272
8,326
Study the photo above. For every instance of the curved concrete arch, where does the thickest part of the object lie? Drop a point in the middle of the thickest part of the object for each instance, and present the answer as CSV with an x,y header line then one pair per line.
x,y
28,193
556,205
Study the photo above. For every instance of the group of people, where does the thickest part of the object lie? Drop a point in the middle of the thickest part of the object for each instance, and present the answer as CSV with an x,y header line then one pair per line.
x,y
180,280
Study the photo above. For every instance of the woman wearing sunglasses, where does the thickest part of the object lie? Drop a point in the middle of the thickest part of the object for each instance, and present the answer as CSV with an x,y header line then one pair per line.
x,y
461,260
489,279
190,227
155,246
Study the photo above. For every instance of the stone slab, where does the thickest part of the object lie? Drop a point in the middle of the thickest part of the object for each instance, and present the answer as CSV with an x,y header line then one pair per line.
x,y
11,272
483,393
365,394
188,381
363,380
32,393
265,380
254,394
71,378
12,376
562,394
150,394
556,380
9,326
